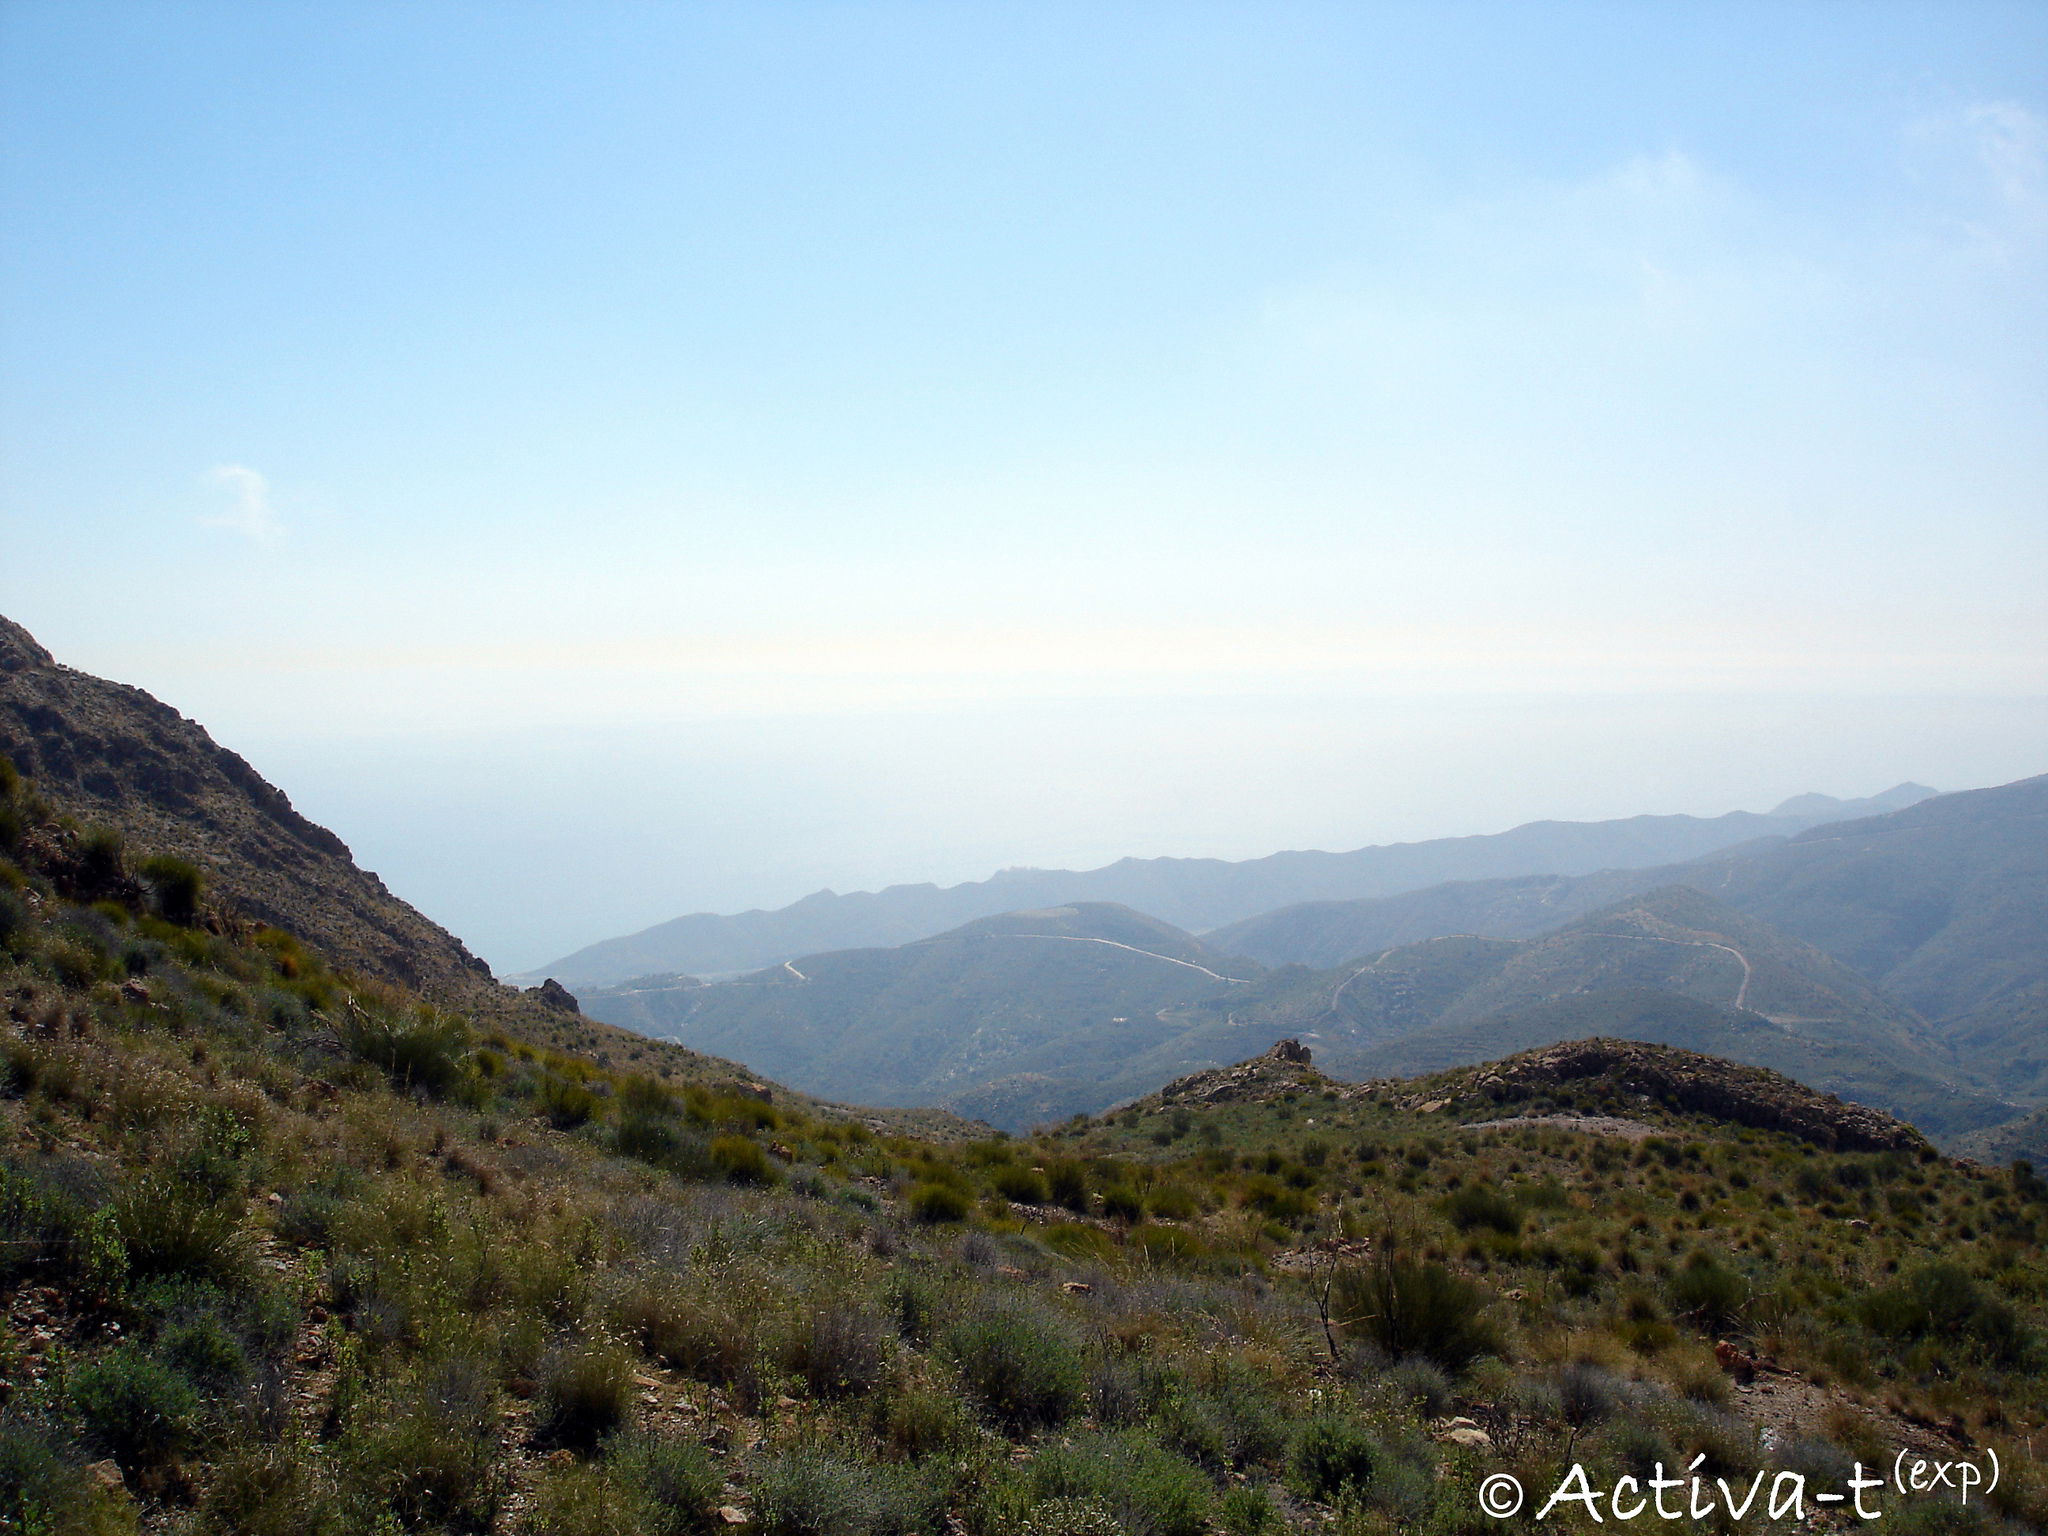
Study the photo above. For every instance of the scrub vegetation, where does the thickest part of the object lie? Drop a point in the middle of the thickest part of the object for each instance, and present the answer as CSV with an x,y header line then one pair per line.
x,y
286,1250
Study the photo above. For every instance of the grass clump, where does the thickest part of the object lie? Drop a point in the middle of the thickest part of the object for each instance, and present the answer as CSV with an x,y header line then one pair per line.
x,y
1020,1370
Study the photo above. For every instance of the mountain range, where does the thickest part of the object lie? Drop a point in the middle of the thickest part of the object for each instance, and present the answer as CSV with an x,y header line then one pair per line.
x,y
1195,894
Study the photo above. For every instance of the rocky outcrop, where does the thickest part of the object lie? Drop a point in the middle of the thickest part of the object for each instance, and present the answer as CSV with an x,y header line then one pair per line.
x,y
1290,1050
1263,1077
552,994
1680,1080
106,753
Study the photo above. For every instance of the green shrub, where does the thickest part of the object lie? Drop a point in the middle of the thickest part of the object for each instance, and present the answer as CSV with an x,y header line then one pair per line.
x,y
1026,1186
1411,1308
741,1160
14,919
1708,1291
650,1138
919,1421
270,1490
136,1409
1941,1302
677,1481
419,1051
1246,1511
175,886
1151,1491
1331,1456
587,1500
818,1492
430,1456
1477,1205
170,1228
1067,1181
586,1391
43,1491
1021,1372
938,1203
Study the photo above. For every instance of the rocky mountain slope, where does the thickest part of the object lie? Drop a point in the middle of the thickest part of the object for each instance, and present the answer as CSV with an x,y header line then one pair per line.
x,y
104,752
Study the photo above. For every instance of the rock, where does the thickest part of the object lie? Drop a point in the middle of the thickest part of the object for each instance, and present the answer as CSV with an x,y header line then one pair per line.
x,y
1735,1360
552,994
1290,1050
135,990
107,1476
1471,1437
732,1514
1076,1287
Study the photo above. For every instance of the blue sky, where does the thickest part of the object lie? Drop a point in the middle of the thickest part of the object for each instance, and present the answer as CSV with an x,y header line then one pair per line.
x,y
680,456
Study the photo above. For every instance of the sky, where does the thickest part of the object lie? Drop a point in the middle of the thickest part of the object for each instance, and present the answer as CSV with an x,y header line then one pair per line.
x,y
616,460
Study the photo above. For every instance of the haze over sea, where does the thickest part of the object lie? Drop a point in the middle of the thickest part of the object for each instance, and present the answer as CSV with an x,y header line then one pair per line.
x,y
610,461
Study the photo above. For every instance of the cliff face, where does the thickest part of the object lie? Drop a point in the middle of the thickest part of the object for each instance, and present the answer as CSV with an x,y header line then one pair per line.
x,y
105,752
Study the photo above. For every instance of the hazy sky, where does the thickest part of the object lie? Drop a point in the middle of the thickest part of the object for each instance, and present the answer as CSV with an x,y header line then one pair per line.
x,y
617,460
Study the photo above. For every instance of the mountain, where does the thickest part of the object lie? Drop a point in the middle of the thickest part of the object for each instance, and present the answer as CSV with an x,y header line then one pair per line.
x,y
105,755
104,752
1195,894
1943,905
1070,993
1030,1017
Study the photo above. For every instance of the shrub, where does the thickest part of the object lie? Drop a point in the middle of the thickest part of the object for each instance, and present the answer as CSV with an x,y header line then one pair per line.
x,y
938,1202
1708,1291
650,1138
587,1500
134,1408
1022,1373
1246,1511
423,1050
1067,1181
585,1394
1331,1456
1412,1308
1942,1302
1122,1203
43,1491
841,1350
430,1457
678,1482
175,884
1026,1186
919,1422
270,1490
1477,1205
814,1492
168,1227
741,1160
1151,1491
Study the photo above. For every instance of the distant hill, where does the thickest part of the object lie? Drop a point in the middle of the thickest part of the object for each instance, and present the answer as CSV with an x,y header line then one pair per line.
x,y
1195,894
1034,1016
1071,993
1942,904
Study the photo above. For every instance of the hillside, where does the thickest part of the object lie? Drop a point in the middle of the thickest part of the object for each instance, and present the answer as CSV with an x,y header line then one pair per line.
x,y
287,1249
1028,1018
1942,905
108,753
1196,894
1071,993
